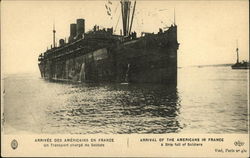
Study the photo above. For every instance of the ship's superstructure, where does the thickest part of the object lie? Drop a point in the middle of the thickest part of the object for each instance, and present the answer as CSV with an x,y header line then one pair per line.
x,y
101,56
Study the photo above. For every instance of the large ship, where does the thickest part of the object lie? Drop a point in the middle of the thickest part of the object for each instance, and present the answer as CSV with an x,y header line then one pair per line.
x,y
100,55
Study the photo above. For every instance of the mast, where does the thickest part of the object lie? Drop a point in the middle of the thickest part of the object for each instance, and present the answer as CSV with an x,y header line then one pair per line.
x,y
54,35
128,18
125,8
132,18
123,24
174,16
237,50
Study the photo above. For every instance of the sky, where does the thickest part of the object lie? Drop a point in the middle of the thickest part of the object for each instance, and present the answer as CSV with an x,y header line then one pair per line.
x,y
207,30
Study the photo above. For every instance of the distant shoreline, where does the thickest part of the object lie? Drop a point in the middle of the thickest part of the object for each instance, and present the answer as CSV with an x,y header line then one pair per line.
x,y
212,65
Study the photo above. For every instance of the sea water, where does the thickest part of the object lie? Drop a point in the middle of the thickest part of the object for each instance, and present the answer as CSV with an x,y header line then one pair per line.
x,y
206,100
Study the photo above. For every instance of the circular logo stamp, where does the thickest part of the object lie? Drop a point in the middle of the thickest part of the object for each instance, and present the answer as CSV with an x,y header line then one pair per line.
x,y
14,144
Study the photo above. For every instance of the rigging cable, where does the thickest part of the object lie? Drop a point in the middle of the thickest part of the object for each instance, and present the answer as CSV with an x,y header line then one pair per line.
x,y
117,21
116,7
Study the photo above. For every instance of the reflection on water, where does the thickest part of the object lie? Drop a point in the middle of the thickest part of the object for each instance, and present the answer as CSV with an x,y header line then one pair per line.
x,y
117,108
207,100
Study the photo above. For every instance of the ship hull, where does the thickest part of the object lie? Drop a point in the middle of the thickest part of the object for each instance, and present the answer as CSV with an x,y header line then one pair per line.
x,y
240,66
151,59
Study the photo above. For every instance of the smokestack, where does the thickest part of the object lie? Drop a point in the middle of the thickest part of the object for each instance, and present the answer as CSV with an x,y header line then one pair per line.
x,y
80,27
72,32
61,42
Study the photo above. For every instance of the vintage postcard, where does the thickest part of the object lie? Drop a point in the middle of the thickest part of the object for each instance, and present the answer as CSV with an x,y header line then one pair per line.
x,y
125,78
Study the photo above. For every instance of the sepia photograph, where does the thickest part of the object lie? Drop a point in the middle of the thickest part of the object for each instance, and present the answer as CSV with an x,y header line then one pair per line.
x,y
124,67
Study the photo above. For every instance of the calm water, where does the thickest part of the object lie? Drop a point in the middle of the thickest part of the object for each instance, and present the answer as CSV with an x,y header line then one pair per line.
x,y
207,100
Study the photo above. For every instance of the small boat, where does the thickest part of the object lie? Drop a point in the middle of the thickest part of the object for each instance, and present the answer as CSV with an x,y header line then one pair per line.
x,y
241,65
